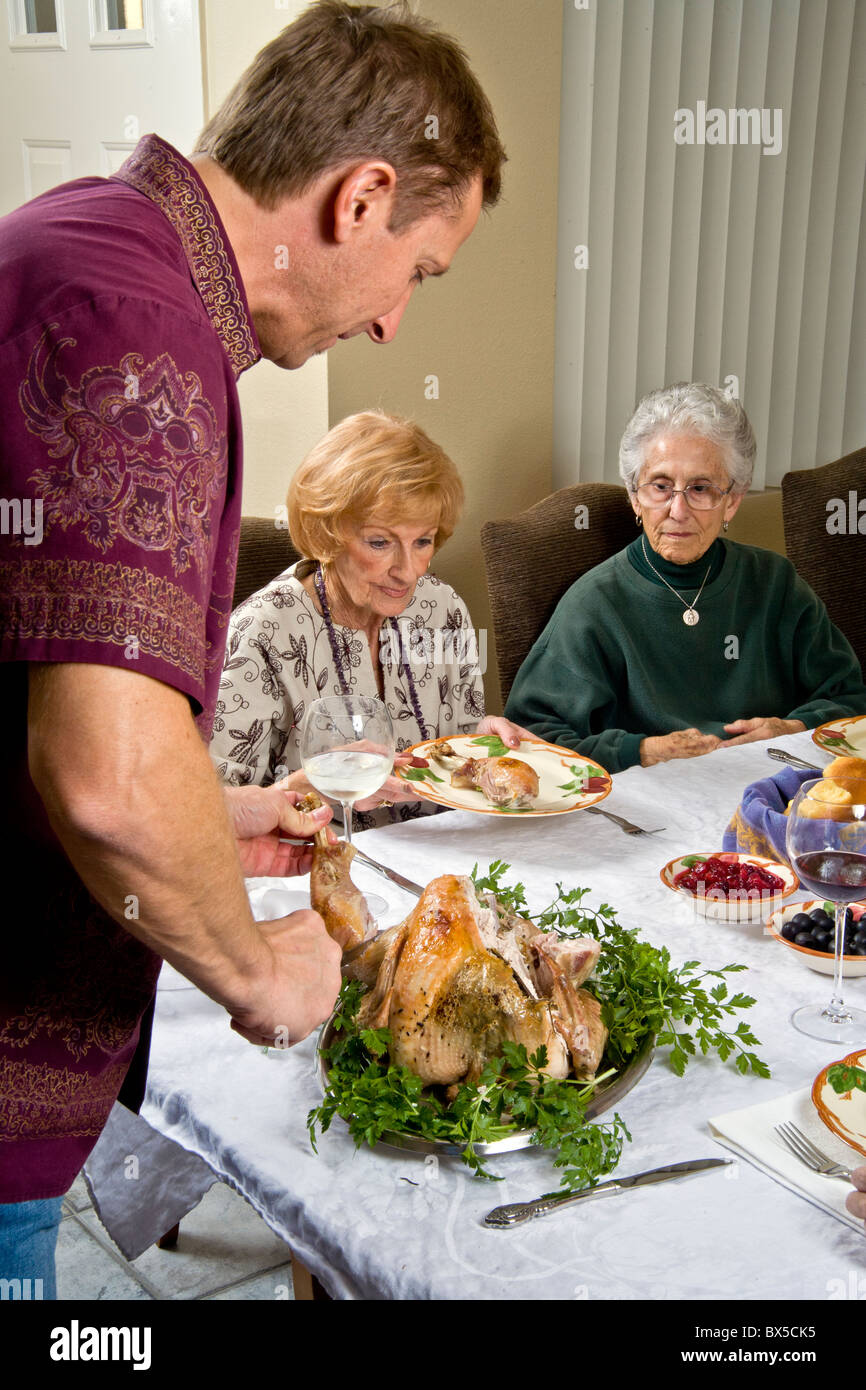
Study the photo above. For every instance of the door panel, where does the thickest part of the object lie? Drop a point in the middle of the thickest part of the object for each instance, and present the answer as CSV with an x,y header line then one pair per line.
x,y
83,79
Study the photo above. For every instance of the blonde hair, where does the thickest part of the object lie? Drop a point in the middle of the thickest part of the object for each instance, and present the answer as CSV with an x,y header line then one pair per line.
x,y
370,464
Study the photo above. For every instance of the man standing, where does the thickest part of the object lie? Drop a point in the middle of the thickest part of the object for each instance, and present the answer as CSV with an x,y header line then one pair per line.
x,y
349,164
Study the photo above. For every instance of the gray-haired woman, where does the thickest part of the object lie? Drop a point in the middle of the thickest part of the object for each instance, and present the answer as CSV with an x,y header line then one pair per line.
x,y
683,641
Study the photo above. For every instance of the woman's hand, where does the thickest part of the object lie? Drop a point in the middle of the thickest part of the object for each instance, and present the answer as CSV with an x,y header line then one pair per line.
x,y
856,1201
260,816
683,743
752,730
391,792
511,734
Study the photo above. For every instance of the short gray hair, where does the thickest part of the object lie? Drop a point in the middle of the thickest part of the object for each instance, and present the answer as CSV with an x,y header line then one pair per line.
x,y
690,407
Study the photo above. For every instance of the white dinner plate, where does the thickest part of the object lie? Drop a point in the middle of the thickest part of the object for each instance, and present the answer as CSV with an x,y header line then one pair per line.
x,y
566,780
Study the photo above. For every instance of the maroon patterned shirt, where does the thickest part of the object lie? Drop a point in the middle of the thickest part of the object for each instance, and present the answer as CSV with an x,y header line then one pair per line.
x,y
123,328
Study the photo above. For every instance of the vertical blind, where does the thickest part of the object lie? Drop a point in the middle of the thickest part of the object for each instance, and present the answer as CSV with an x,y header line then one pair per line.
x,y
712,163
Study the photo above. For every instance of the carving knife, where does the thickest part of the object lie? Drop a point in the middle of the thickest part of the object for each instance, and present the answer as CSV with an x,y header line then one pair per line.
x,y
515,1213
392,874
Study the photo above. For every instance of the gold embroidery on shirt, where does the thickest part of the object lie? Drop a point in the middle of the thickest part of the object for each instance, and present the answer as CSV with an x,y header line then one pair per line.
x,y
156,170
37,1099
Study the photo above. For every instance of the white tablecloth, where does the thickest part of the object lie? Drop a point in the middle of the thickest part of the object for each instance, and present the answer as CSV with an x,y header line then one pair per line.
x,y
388,1224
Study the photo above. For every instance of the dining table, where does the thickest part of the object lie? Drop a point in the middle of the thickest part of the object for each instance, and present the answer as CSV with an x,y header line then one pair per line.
x,y
386,1223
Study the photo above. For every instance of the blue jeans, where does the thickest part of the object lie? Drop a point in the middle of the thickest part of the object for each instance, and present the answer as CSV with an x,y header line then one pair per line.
x,y
28,1235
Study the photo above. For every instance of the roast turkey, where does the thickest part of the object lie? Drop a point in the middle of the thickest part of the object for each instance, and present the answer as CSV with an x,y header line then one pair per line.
x,y
338,900
459,977
507,782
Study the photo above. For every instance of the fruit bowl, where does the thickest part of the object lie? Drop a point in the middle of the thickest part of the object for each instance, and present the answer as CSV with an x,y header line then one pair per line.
x,y
745,902
822,961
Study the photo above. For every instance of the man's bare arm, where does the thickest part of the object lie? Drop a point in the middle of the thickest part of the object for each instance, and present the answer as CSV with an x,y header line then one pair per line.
x,y
133,797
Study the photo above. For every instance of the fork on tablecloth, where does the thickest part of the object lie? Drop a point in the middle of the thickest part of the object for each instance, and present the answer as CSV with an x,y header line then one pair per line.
x,y
809,1154
628,826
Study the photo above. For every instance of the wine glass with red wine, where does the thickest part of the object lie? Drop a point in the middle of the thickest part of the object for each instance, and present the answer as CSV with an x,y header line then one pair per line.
x,y
826,841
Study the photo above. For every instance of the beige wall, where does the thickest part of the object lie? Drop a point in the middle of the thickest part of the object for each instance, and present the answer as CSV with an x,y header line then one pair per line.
x,y
284,413
759,521
486,329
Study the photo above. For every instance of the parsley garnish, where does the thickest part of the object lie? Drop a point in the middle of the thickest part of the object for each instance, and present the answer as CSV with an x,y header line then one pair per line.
x,y
640,993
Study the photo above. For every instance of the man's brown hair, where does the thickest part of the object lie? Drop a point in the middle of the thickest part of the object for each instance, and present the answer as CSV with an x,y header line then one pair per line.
x,y
346,83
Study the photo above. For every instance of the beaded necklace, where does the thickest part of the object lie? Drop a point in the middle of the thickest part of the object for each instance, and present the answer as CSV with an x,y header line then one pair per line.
x,y
319,581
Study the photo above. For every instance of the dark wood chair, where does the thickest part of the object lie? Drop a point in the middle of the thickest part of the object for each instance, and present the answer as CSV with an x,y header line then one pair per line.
x,y
814,503
263,553
532,558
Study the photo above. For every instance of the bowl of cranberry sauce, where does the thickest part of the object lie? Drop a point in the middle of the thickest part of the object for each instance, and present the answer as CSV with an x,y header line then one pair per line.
x,y
727,887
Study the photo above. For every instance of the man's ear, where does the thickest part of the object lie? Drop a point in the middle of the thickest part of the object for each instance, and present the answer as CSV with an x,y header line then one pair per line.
x,y
364,199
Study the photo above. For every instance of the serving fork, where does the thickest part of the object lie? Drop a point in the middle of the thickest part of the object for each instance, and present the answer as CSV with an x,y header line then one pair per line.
x,y
781,756
809,1154
628,826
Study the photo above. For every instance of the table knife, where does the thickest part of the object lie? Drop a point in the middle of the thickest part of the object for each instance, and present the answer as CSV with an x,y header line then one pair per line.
x,y
515,1213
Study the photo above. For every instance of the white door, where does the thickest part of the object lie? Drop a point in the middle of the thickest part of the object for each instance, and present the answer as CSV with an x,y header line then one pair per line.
x,y
81,80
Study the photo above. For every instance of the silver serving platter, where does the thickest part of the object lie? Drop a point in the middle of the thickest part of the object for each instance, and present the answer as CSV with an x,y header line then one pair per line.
x,y
601,1100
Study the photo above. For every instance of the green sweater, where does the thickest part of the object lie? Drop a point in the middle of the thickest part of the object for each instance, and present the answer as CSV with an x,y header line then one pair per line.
x,y
617,664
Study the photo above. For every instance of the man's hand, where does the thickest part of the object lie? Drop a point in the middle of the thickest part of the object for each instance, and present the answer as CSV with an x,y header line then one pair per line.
x,y
511,734
856,1201
683,743
301,985
753,730
260,817
134,799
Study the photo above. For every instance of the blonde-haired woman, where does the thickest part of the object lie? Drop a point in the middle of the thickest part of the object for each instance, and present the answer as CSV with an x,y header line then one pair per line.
x,y
368,508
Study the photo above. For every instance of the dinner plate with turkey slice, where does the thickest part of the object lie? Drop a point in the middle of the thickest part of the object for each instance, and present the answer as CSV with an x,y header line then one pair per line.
x,y
480,773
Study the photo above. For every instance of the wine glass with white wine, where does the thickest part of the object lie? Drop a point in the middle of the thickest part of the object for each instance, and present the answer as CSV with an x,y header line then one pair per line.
x,y
347,748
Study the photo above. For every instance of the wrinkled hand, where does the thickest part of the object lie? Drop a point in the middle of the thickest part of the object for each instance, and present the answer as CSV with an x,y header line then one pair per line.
x,y
260,816
683,743
511,734
856,1201
300,985
753,730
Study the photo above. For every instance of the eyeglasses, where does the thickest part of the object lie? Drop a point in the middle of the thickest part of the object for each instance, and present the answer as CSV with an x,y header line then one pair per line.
x,y
701,497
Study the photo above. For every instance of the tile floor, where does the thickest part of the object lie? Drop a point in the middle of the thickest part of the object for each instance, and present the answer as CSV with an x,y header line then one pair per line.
x,y
225,1251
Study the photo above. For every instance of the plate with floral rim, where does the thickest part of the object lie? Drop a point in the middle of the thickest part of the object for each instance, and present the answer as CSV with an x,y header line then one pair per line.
x,y
845,1113
567,781
843,736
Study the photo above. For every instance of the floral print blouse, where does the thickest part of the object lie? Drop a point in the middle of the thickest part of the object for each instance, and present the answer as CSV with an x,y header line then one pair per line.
x,y
279,658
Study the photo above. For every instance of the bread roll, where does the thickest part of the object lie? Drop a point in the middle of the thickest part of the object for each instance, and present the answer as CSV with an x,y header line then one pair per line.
x,y
828,800
846,767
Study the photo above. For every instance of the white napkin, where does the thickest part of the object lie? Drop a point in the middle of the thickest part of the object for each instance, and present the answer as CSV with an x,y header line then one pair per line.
x,y
751,1134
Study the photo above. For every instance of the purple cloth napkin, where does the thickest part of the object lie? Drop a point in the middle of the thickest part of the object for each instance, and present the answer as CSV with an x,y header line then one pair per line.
x,y
759,824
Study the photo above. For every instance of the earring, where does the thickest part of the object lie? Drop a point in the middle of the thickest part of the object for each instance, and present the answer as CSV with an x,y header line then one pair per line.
x,y
638,521
724,526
